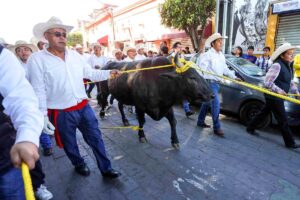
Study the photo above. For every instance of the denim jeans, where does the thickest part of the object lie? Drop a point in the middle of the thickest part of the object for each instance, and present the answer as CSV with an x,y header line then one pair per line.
x,y
45,141
86,121
11,185
186,106
215,107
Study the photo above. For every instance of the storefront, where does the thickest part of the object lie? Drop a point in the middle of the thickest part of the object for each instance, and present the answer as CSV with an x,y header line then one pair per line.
x,y
284,24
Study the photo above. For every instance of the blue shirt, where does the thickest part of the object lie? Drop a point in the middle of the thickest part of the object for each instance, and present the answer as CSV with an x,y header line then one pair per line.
x,y
250,58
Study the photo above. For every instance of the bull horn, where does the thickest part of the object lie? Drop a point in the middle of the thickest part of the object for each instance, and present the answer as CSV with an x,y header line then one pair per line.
x,y
176,61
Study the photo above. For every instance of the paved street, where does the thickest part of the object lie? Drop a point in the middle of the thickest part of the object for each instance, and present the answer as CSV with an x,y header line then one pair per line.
x,y
238,167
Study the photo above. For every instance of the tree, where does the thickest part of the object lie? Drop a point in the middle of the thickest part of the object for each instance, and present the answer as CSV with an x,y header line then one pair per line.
x,y
188,15
74,38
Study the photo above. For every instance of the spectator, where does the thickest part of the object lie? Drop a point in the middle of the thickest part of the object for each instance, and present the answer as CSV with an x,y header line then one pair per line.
x,y
250,55
131,54
118,55
164,50
150,54
187,50
264,62
140,54
238,52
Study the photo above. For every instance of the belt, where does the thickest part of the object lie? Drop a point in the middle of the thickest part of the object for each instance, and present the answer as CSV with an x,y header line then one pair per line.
x,y
53,114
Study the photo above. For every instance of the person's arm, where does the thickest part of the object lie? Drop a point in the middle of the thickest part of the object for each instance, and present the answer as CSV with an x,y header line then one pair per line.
x,y
271,76
297,62
95,74
36,78
21,105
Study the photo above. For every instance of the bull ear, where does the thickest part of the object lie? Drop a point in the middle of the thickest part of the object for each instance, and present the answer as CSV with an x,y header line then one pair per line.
x,y
170,75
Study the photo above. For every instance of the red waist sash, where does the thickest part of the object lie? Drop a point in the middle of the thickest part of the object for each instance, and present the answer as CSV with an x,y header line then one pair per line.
x,y
53,114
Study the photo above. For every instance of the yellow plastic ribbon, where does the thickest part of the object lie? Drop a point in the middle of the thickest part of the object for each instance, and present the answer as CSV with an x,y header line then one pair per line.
x,y
248,85
29,194
134,128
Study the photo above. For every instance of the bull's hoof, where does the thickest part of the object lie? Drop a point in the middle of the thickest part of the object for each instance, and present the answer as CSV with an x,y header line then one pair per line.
x,y
102,114
143,140
175,145
126,123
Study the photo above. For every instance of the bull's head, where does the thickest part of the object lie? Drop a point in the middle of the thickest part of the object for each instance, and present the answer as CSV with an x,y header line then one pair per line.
x,y
195,86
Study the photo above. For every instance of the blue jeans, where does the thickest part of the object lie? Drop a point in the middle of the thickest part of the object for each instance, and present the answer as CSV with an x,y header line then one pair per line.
x,y
186,106
11,185
45,141
215,107
86,121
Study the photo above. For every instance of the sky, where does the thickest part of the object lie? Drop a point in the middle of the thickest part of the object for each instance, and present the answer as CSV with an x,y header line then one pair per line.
x,y
17,17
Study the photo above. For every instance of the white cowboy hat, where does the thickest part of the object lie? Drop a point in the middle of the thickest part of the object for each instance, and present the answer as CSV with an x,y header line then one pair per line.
x,y
78,46
128,49
116,51
2,41
40,28
214,37
283,48
22,43
35,41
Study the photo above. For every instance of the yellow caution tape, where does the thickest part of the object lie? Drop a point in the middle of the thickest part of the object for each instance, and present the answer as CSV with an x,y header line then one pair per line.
x,y
251,86
190,64
29,194
134,128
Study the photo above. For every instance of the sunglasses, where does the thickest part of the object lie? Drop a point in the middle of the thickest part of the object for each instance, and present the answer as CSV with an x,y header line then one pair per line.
x,y
58,34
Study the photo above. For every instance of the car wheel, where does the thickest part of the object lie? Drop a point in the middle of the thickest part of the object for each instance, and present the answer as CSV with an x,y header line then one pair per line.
x,y
249,110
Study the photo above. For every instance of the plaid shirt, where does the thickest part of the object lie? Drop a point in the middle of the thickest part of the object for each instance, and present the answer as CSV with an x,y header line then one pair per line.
x,y
272,76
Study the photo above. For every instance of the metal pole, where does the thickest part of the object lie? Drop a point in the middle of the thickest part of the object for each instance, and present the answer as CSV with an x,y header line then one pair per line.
x,y
231,25
217,16
113,26
224,28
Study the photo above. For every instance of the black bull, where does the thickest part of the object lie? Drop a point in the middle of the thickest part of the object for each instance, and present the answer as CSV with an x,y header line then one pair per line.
x,y
153,92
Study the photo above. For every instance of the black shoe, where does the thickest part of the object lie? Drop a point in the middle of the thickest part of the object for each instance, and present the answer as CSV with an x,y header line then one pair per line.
x,y
189,113
48,152
83,170
89,95
293,146
252,132
219,132
204,125
111,174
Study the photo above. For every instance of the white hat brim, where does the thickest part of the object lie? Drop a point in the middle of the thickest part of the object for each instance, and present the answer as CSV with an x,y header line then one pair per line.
x,y
128,49
30,46
213,38
41,28
281,50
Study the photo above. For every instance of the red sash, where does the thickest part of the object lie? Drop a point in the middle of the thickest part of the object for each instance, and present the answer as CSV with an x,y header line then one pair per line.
x,y
54,114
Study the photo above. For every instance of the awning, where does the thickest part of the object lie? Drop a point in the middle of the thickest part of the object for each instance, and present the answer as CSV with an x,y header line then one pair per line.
x,y
103,40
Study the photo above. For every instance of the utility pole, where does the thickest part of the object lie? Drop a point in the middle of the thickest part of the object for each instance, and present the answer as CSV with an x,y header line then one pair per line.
x,y
217,16
231,26
224,28
113,25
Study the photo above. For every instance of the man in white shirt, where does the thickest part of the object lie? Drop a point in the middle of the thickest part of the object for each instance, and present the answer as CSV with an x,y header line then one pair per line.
x,y
23,50
118,55
56,74
131,54
18,101
96,61
213,61
140,54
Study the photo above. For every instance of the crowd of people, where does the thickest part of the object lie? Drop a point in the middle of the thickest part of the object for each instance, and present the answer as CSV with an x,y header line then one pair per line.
x,y
46,96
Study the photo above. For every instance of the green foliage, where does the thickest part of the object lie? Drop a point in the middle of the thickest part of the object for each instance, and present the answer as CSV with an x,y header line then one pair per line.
x,y
187,15
74,38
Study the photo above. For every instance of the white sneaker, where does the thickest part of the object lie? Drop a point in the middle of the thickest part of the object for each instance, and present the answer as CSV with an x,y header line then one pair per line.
x,y
43,194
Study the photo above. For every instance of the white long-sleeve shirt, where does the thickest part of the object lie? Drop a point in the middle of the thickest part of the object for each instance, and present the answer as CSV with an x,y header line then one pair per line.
x,y
140,57
100,61
20,102
59,83
214,62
